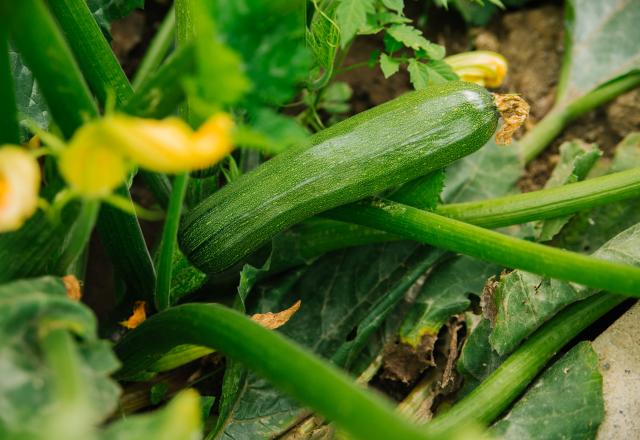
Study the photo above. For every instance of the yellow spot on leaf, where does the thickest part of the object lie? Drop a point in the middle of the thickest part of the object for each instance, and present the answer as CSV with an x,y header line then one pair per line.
x,y
274,320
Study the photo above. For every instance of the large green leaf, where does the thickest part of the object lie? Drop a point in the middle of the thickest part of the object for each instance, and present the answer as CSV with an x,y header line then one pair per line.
x,y
524,301
444,294
601,45
564,403
179,420
338,293
576,160
28,310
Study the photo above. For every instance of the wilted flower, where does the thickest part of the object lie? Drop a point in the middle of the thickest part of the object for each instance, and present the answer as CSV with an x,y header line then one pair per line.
x,y
170,145
482,67
19,186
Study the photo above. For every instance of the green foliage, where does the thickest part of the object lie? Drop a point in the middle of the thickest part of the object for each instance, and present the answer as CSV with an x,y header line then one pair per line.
x,y
31,309
565,402
105,11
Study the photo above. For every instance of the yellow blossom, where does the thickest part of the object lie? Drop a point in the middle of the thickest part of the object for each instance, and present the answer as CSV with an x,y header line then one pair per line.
x,y
91,166
19,186
482,67
138,316
170,145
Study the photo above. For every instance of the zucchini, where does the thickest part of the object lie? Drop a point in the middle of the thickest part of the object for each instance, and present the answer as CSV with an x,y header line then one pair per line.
x,y
385,146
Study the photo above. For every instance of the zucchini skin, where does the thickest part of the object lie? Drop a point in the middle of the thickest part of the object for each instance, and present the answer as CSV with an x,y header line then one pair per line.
x,y
382,147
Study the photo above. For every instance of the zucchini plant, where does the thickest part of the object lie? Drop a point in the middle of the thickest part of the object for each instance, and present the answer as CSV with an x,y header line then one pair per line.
x,y
222,247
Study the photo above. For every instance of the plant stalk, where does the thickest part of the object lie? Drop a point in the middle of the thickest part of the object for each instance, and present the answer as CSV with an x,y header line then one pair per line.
x,y
99,65
9,128
457,236
79,235
168,243
331,392
536,140
157,50
510,379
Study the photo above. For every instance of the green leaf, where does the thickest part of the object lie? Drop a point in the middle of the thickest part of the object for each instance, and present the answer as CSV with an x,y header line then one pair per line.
x,y
338,292
351,16
418,74
565,402
179,420
273,132
477,359
105,11
396,5
589,230
323,38
576,160
440,72
389,65
600,45
31,104
423,192
335,98
490,172
524,301
29,309
445,293
409,36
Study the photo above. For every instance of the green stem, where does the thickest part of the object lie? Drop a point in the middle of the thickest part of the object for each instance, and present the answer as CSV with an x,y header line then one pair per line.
x,y
536,140
99,65
47,54
454,235
157,50
509,380
547,203
62,358
168,243
79,235
332,393
9,128
320,236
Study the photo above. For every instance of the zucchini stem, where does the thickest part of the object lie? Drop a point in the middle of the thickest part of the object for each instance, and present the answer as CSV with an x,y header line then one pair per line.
x,y
285,364
79,235
456,236
168,243
157,50
538,138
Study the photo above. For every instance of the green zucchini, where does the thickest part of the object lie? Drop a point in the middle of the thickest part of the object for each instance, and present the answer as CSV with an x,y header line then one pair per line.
x,y
385,146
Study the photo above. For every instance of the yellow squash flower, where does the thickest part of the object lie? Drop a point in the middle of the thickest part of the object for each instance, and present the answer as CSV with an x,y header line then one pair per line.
x,y
90,166
482,67
170,145
19,186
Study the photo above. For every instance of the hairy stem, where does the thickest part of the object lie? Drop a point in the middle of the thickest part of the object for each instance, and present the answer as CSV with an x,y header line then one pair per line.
x,y
536,140
168,243
9,129
509,380
454,235
157,50
331,392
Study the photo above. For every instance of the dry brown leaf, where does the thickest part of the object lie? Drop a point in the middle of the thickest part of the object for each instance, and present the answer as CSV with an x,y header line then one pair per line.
x,y
274,320
514,111
72,285
137,317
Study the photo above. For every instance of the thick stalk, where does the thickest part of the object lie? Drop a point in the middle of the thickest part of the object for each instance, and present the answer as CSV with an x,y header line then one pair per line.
x,y
46,53
509,380
331,392
168,243
93,52
79,236
547,203
157,50
536,140
9,128
454,235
